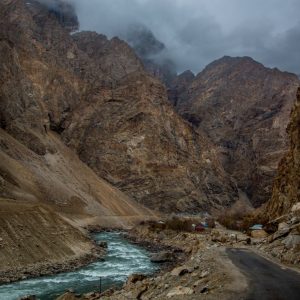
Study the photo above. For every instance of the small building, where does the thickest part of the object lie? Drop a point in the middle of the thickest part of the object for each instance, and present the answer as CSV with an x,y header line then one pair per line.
x,y
256,227
199,227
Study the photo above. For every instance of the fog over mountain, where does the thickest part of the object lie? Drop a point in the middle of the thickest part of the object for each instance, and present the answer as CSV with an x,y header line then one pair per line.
x,y
198,31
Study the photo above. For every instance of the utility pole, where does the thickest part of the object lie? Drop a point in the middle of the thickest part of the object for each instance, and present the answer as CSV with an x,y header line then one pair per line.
x,y
100,285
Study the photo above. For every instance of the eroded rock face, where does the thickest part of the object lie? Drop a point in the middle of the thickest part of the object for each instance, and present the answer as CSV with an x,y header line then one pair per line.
x,y
286,189
244,108
94,93
179,86
131,136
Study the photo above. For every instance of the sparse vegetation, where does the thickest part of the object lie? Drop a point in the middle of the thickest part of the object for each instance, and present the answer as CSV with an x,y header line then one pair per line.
x,y
241,220
177,223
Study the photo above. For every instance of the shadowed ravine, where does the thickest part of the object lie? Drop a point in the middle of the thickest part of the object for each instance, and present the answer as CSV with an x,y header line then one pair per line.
x,y
122,259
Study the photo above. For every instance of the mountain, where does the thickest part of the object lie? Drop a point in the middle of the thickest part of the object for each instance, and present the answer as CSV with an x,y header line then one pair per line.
x,y
179,86
151,51
244,108
286,191
92,94
44,186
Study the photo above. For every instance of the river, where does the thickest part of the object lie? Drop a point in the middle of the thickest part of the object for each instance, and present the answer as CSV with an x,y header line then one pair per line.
x,y
121,260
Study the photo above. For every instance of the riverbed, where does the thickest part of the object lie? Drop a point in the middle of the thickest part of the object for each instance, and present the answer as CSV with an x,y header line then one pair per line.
x,y
121,260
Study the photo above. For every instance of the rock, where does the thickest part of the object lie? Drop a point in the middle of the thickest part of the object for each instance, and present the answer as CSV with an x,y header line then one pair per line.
x,y
133,278
292,241
245,239
162,257
180,291
258,234
217,236
30,297
295,220
282,226
296,207
285,196
102,244
179,271
67,296
280,233
204,290
242,123
233,237
197,283
204,274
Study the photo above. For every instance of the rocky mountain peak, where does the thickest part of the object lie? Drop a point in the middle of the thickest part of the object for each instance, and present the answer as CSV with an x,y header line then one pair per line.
x,y
151,51
243,107
143,41
62,10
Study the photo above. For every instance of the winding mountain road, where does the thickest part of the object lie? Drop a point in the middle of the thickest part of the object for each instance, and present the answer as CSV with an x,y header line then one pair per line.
x,y
267,280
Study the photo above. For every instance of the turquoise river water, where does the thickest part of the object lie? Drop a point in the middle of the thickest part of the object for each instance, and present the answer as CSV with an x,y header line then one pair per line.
x,y
122,259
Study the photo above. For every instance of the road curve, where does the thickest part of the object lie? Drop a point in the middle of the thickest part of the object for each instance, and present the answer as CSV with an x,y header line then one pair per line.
x,y
267,280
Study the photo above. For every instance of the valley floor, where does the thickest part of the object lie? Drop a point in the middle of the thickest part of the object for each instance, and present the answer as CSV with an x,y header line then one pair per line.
x,y
215,268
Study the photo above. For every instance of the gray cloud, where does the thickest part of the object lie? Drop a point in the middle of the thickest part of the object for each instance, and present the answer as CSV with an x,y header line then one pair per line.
x,y
199,31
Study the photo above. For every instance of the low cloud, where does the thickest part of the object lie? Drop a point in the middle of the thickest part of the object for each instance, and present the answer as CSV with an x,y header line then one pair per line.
x,y
196,32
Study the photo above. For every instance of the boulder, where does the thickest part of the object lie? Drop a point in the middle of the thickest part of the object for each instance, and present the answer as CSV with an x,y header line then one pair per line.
x,y
280,233
296,207
133,278
217,236
282,226
180,291
179,271
258,234
162,257
292,241
102,244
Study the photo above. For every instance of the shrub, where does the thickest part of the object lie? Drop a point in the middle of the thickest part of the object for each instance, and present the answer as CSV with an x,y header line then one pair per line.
x,y
239,220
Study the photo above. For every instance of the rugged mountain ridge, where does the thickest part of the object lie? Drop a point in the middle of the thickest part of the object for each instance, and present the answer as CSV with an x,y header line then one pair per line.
x,y
40,178
244,108
94,93
286,189
151,51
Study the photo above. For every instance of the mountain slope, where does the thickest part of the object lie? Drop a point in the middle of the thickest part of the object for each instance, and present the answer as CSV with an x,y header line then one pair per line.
x,y
94,93
44,187
244,108
286,189
146,150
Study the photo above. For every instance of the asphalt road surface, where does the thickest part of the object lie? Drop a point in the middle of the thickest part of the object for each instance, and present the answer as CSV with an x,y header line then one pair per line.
x,y
267,280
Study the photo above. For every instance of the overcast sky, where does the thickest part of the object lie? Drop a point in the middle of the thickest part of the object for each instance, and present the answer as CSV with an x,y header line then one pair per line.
x,y
197,32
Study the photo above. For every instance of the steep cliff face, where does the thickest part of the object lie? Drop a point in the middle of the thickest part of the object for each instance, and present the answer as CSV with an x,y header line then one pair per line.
x,y
45,189
177,89
244,108
132,137
94,93
286,189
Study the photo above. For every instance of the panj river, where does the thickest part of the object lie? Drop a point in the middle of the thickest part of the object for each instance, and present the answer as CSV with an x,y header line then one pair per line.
x,y
122,259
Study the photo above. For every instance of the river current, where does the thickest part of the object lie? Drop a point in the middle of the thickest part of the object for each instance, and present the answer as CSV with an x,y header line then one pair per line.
x,y
122,259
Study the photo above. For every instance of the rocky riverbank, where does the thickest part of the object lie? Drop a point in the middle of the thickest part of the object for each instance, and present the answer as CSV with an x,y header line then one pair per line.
x,y
52,267
202,267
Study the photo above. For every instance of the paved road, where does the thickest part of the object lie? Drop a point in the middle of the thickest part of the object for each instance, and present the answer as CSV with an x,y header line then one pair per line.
x,y
268,281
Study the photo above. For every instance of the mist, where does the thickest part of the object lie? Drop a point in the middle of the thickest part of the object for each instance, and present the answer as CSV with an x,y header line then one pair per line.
x,y
196,32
